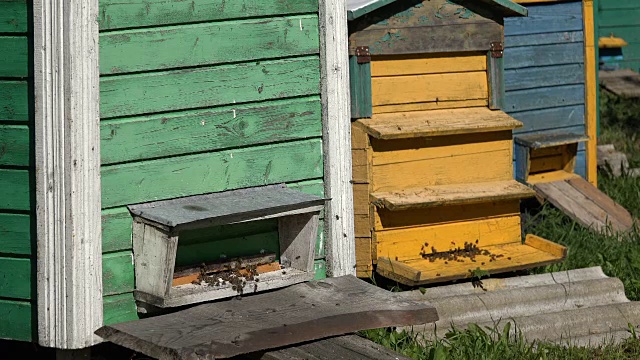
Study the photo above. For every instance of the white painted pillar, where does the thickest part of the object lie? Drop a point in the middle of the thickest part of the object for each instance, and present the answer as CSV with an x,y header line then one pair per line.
x,y
67,153
339,223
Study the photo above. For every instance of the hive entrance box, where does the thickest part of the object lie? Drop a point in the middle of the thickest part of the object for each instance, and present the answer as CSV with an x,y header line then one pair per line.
x,y
435,197
158,227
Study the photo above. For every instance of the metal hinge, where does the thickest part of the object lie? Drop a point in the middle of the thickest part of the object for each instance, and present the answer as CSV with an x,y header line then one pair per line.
x,y
497,49
363,55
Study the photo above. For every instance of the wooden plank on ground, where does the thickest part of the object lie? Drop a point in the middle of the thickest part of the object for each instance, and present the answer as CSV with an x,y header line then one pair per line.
x,y
621,82
576,205
299,313
348,347
614,210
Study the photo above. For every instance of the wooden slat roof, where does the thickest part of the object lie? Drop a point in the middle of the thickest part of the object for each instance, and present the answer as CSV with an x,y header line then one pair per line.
x,y
358,8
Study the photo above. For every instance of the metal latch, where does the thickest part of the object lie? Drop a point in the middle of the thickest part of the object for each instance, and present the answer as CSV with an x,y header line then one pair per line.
x,y
497,49
363,55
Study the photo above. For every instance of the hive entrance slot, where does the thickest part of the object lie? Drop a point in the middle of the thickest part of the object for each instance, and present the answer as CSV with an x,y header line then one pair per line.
x,y
159,227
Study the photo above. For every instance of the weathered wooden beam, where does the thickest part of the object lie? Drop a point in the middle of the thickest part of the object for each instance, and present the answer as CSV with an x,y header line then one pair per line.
x,y
67,153
334,58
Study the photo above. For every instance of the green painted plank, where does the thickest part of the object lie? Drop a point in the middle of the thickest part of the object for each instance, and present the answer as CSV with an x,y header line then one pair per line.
x,y
312,187
14,100
320,268
618,4
207,44
16,320
203,87
320,251
119,308
15,234
15,278
116,229
13,16
136,13
211,172
360,84
117,273
624,17
208,130
14,145
208,245
14,57
14,189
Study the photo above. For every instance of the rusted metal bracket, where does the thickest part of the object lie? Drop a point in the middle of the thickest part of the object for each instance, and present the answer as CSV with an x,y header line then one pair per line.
x,y
363,55
497,49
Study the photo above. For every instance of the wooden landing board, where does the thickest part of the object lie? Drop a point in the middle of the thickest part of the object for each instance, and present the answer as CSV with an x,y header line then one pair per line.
x,y
621,82
348,347
293,315
587,205
437,123
510,257
457,194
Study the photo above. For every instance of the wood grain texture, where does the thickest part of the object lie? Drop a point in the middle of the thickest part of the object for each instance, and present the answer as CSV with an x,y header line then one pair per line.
x,y
536,120
116,14
515,256
591,91
14,58
119,308
204,87
14,190
614,210
334,70
211,172
15,278
67,181
529,78
16,320
544,55
443,195
547,18
437,123
348,347
117,273
360,86
543,98
15,234
15,145
544,38
407,244
13,16
266,321
429,88
420,64
621,82
572,202
207,44
14,102
147,137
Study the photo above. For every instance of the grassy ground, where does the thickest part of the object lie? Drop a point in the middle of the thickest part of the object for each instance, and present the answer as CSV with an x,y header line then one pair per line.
x,y
619,256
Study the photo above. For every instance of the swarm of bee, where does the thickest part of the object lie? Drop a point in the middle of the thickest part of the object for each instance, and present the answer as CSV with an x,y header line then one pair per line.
x,y
457,254
234,277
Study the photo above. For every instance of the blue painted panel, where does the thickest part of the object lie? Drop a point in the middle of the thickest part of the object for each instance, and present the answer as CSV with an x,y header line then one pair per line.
x,y
575,129
581,164
544,98
563,37
544,18
543,55
546,76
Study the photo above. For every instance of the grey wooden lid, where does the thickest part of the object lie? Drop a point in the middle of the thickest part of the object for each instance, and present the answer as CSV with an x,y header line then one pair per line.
x,y
227,207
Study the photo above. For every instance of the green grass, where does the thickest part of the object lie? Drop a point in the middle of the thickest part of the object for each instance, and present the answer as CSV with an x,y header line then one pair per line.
x,y
618,255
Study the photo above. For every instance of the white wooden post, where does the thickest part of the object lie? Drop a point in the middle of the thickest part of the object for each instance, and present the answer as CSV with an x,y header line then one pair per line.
x,y
67,153
334,57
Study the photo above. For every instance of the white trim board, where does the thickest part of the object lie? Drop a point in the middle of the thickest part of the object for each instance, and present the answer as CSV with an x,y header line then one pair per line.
x,y
336,117
67,163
